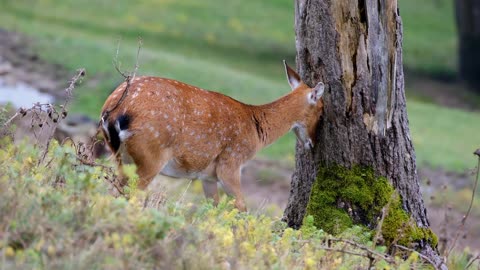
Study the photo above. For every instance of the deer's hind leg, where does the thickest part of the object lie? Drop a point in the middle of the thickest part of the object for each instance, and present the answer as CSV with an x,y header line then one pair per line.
x,y
149,159
211,190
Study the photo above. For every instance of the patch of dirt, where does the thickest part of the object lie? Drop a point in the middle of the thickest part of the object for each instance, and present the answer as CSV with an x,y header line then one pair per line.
x,y
441,190
436,179
266,182
19,63
446,224
447,93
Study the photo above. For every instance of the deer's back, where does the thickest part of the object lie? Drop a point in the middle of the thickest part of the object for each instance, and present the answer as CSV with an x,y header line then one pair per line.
x,y
196,125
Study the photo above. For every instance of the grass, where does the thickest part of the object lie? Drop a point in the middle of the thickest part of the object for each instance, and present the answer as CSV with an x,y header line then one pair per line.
x,y
444,137
235,48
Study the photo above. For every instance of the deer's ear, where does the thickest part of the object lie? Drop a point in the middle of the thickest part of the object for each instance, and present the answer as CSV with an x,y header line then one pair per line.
x,y
292,76
316,93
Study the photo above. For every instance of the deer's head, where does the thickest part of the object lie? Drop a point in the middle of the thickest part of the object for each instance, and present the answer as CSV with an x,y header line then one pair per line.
x,y
311,104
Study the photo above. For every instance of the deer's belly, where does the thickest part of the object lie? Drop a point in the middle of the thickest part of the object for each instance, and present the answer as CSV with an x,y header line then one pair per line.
x,y
174,169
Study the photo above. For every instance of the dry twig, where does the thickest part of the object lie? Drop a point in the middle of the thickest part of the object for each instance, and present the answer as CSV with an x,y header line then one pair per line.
x,y
470,263
63,112
419,254
128,78
380,223
369,252
461,227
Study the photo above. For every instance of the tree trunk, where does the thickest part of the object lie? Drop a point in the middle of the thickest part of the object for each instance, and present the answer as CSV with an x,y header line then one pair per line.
x,y
468,25
355,48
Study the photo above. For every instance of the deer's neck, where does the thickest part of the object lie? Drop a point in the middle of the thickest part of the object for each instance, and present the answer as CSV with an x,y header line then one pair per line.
x,y
274,119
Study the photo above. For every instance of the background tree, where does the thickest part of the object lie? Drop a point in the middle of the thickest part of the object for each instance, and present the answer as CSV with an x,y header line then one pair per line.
x,y
468,24
355,48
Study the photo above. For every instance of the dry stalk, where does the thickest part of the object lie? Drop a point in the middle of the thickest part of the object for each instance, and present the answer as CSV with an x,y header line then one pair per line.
x,y
345,251
419,254
470,263
380,223
56,115
369,251
128,78
63,110
461,227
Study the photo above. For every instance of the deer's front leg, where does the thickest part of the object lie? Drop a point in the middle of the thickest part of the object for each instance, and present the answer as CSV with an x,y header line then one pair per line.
x,y
230,179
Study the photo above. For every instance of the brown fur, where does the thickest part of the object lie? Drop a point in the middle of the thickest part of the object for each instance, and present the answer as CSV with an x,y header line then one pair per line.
x,y
183,131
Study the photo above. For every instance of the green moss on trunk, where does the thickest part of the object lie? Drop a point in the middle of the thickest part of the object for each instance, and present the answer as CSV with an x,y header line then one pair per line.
x,y
399,228
343,197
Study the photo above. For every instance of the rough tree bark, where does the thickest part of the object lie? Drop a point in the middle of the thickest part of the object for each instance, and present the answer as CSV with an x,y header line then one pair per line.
x,y
355,48
468,25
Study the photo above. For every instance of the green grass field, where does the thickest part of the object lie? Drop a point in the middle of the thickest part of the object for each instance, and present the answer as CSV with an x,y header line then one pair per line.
x,y
235,48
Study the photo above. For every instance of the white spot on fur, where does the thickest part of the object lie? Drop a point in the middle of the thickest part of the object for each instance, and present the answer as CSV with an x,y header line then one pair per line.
x,y
124,134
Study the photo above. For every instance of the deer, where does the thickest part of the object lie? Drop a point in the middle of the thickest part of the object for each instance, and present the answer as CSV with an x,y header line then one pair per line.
x,y
178,130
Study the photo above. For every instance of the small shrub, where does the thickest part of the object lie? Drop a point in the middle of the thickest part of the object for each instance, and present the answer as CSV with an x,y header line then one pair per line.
x,y
78,224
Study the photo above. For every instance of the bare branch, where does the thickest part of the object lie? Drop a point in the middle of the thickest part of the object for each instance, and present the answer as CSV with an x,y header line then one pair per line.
x,y
369,253
380,223
345,251
472,261
63,113
116,63
461,227
140,43
362,247
419,254
9,121
128,77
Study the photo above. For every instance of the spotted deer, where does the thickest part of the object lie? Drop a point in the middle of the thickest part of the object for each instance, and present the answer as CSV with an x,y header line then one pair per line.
x,y
179,130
